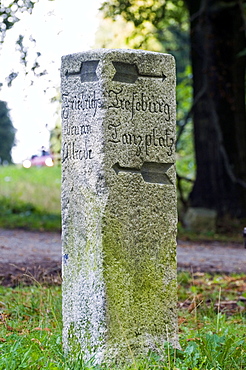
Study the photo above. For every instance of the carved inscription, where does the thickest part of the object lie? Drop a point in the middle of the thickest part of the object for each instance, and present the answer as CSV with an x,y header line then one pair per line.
x,y
75,148
117,100
81,102
77,129
142,143
79,112
138,103
72,150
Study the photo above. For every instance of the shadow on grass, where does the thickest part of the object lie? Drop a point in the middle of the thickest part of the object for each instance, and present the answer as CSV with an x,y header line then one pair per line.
x,y
16,214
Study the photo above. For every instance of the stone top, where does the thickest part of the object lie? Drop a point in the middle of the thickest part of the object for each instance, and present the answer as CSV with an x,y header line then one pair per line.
x,y
134,90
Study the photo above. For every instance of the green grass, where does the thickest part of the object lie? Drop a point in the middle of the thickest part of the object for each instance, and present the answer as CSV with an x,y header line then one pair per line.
x,y
211,324
30,198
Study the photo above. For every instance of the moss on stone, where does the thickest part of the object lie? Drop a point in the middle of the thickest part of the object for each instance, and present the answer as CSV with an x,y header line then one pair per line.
x,y
139,302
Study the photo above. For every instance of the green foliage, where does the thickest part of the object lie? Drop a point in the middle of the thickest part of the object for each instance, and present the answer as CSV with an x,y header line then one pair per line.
x,y
136,11
34,66
17,214
184,143
55,141
162,22
7,134
161,26
30,198
9,14
212,332
185,162
56,132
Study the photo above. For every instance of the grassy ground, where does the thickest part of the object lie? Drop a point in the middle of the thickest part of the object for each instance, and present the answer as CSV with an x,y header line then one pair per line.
x,y
211,322
30,198
211,308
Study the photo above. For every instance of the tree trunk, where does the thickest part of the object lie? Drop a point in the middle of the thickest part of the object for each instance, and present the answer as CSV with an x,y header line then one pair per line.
x,y
217,38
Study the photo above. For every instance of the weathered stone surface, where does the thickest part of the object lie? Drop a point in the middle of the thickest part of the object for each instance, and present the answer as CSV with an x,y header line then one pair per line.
x,y
118,203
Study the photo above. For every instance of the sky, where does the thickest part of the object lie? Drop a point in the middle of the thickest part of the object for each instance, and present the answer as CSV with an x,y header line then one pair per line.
x,y
59,27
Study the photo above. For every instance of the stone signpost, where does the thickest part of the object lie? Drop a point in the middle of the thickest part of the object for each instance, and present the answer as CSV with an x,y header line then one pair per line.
x,y
118,203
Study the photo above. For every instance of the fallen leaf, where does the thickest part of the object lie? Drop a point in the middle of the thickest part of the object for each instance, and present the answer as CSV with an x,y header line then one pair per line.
x,y
192,339
36,341
181,320
42,329
3,316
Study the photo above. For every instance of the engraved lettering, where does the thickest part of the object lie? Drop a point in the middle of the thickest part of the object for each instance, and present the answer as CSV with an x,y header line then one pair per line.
x,y
115,99
143,143
114,134
65,106
137,103
72,150
77,130
167,112
81,102
132,104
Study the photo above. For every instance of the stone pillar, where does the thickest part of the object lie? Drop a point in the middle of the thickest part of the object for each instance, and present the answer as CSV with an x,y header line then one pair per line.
x,y
119,211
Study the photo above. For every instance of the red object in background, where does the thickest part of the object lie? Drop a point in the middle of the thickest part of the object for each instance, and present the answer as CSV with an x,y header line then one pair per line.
x,y
45,159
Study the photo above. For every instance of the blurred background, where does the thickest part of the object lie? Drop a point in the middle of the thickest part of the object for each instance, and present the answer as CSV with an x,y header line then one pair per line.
x,y
209,45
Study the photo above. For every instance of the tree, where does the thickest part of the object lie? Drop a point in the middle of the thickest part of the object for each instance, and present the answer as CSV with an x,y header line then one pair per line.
x,y
7,134
217,39
218,61
9,14
155,25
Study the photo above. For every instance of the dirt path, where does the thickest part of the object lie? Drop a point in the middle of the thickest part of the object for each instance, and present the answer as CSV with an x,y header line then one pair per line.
x,y
27,255
212,257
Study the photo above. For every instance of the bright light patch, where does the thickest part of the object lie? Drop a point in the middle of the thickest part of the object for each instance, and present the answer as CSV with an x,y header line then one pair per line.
x,y
27,163
49,162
